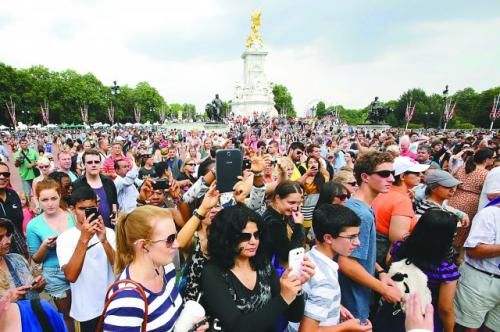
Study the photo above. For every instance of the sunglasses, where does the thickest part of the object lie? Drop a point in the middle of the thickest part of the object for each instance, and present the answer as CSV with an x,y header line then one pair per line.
x,y
190,164
5,174
68,186
169,241
353,183
299,153
384,174
343,197
244,237
95,162
414,173
43,166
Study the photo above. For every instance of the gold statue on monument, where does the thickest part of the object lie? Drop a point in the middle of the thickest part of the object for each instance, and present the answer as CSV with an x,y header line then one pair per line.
x,y
255,36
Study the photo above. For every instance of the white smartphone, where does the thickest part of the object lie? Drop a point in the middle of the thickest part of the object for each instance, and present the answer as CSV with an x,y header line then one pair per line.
x,y
295,259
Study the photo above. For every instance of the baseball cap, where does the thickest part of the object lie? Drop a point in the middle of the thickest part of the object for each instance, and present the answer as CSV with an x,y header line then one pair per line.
x,y
406,164
442,178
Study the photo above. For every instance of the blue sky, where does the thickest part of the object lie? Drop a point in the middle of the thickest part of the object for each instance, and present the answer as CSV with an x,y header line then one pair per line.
x,y
342,52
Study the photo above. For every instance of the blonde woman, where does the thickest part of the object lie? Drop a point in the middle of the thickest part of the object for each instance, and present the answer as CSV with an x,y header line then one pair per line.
x,y
146,242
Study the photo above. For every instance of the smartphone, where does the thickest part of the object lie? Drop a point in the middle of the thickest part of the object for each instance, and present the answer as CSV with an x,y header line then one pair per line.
x,y
228,165
161,184
33,283
91,211
247,164
295,259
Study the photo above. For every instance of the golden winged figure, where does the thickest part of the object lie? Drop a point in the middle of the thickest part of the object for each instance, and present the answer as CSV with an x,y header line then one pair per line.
x,y
255,35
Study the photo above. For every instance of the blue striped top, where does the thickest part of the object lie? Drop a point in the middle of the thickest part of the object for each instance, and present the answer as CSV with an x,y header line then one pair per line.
x,y
126,311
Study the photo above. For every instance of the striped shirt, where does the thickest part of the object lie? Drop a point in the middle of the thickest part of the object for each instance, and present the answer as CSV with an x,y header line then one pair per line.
x,y
322,291
125,312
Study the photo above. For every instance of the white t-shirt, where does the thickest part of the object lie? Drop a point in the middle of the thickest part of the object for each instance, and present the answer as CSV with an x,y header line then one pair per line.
x,y
485,229
491,186
88,292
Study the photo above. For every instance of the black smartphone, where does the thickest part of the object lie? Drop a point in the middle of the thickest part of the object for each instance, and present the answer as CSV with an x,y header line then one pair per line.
x,y
161,184
91,211
247,164
228,165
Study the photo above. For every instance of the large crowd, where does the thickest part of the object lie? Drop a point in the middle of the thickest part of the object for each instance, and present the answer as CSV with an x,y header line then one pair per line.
x,y
124,229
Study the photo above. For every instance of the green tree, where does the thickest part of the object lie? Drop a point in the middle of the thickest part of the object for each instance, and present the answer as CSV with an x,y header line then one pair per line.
x,y
320,109
283,100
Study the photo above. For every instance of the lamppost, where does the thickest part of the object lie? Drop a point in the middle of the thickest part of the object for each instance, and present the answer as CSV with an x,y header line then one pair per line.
x,y
445,97
26,115
427,115
115,90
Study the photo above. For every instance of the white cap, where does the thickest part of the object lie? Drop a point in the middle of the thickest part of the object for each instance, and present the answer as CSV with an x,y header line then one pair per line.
x,y
406,164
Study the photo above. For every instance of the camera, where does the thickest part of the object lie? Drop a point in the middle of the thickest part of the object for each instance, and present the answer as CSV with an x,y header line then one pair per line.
x,y
247,164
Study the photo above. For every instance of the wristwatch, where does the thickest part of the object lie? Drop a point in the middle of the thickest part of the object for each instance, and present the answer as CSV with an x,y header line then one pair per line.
x,y
198,215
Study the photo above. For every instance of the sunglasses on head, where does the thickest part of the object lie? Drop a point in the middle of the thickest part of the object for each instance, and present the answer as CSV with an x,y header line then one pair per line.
x,y
5,174
247,236
384,174
343,197
90,162
169,241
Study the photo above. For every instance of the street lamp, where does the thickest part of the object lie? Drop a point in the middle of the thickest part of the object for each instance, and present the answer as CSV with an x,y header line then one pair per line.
x,y
26,115
115,90
427,115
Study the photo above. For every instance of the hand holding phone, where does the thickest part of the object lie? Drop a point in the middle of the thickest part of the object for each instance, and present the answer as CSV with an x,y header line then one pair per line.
x,y
161,184
91,214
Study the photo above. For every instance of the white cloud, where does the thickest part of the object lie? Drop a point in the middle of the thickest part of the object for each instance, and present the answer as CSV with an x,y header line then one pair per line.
x,y
92,36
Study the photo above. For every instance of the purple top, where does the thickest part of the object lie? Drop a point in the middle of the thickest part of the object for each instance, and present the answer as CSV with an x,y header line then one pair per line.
x,y
104,209
436,274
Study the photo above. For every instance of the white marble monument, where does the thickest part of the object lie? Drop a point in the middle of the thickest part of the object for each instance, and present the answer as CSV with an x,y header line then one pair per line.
x,y
255,94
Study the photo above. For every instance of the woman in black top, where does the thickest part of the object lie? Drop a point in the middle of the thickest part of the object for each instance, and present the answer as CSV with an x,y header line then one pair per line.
x,y
283,222
241,288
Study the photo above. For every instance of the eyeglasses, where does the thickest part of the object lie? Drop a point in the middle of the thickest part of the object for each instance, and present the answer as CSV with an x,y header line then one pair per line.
x,y
343,197
244,237
95,162
190,164
414,173
351,238
384,173
43,166
169,241
5,174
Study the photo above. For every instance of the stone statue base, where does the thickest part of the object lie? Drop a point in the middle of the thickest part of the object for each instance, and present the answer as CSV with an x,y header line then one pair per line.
x,y
255,94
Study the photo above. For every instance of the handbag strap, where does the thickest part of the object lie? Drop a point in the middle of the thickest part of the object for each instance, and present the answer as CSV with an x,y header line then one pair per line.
x,y
40,314
25,156
138,288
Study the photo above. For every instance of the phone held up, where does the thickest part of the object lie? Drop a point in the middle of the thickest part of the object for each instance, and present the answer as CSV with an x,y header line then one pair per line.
x,y
161,184
91,211
228,165
295,258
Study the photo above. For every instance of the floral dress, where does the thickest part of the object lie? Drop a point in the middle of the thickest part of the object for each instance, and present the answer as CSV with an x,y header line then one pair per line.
x,y
466,198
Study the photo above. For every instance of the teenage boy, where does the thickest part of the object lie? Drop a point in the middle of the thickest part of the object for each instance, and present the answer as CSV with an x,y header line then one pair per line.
x,y
374,173
86,255
337,232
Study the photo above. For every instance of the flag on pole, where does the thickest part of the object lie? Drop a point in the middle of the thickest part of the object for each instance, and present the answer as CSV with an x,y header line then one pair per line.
x,y
495,110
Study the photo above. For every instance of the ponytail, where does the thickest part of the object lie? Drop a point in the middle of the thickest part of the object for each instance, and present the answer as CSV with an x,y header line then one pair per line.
x,y
470,165
134,226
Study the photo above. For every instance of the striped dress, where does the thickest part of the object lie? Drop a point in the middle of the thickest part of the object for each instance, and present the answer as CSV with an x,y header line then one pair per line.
x,y
125,312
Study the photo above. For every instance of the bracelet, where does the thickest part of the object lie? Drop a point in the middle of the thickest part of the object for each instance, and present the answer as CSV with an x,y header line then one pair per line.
x,y
198,215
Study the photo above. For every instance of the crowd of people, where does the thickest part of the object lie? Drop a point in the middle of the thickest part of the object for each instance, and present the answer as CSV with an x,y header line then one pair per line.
x,y
120,228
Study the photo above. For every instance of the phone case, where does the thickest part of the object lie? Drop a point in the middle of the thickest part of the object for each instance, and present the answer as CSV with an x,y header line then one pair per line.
x,y
295,258
228,165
